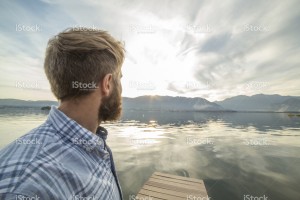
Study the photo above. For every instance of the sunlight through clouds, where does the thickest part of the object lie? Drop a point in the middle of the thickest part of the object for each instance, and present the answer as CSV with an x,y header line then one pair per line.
x,y
208,49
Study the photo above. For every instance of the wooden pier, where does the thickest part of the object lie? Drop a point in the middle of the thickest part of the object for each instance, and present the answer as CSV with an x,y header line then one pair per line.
x,y
170,187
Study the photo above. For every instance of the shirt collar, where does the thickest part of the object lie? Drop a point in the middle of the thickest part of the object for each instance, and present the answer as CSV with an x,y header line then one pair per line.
x,y
74,132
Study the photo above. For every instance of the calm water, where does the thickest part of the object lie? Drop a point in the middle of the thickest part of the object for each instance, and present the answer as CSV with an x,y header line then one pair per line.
x,y
236,154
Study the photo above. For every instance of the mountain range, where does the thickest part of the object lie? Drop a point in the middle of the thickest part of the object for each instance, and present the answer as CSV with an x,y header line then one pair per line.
x,y
170,104
255,103
262,102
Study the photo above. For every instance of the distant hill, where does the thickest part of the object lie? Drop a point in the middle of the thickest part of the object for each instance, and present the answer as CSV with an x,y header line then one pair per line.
x,y
291,104
23,103
261,102
138,103
170,104
256,103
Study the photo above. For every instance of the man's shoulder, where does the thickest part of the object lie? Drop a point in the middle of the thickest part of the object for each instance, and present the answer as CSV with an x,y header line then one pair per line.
x,y
28,149
46,164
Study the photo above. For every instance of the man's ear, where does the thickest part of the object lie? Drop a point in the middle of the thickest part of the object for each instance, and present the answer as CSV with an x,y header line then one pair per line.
x,y
106,85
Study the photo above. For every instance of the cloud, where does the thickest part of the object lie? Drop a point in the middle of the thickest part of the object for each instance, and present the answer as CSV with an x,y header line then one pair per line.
x,y
233,55
191,48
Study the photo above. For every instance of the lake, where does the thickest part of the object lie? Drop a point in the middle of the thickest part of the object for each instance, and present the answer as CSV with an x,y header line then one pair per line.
x,y
238,155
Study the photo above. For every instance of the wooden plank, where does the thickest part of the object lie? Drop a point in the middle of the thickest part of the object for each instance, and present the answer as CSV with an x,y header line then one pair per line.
x,y
176,180
179,185
165,191
179,177
159,195
141,196
172,187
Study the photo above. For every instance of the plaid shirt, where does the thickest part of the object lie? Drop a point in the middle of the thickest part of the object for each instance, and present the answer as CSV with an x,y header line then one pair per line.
x,y
59,160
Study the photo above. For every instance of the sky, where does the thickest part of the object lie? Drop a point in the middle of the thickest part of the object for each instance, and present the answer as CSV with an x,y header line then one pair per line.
x,y
192,48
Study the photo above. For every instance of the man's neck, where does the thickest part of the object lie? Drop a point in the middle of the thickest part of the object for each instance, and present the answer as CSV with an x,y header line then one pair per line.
x,y
83,112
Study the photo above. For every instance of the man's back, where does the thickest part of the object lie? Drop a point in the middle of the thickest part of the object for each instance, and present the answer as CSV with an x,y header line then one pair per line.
x,y
58,160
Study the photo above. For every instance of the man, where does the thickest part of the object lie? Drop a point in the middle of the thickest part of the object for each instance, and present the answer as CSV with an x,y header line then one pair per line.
x,y
69,158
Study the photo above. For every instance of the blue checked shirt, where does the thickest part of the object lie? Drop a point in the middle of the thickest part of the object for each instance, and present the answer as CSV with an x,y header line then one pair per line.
x,y
59,160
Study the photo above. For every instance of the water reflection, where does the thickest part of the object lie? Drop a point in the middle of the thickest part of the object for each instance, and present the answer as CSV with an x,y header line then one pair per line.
x,y
236,154
261,121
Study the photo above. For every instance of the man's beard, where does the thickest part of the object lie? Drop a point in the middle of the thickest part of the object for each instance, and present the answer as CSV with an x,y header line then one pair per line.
x,y
111,107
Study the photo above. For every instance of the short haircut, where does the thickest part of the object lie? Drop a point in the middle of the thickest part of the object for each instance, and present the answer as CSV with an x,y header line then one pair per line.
x,y
82,56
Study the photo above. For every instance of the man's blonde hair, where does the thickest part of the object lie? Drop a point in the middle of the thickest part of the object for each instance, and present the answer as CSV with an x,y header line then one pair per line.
x,y
81,56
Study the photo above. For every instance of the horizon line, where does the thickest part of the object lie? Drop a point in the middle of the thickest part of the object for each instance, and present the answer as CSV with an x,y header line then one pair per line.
x,y
164,96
